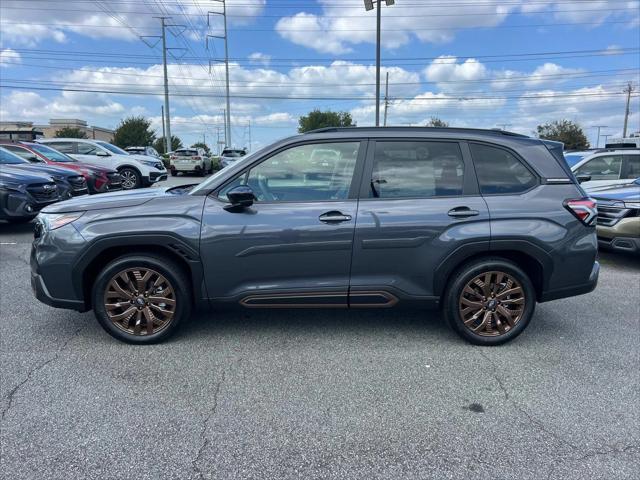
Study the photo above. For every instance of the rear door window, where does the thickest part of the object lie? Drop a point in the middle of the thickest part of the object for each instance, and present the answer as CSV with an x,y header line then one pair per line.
x,y
64,147
604,167
416,170
499,171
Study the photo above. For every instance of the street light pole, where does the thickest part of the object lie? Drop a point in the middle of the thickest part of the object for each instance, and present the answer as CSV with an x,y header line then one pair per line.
x,y
368,5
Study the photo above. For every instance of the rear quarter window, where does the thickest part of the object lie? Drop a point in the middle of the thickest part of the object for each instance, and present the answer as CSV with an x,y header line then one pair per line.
x,y
499,171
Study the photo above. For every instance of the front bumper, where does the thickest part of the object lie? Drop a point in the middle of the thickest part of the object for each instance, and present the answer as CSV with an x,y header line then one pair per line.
x,y
624,236
41,293
17,205
155,177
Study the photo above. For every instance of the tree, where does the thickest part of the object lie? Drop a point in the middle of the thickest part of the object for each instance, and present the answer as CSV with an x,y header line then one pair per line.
x,y
70,132
564,131
436,122
134,132
317,119
202,145
176,143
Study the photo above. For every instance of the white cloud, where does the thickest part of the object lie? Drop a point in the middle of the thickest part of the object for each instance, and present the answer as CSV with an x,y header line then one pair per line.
x,y
259,57
111,19
338,27
9,57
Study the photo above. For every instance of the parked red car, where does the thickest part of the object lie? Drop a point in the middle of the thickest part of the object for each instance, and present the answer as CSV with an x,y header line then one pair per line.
x,y
99,179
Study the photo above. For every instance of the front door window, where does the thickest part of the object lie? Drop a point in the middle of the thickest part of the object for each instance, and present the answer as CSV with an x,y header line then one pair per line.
x,y
306,173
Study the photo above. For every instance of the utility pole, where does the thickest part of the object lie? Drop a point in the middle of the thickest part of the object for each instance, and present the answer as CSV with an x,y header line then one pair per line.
x,y
627,112
249,135
167,136
598,137
224,37
164,136
224,113
503,126
368,5
386,101
606,137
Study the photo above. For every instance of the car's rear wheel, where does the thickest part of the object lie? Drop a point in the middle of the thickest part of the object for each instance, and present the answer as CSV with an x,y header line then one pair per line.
x,y
130,178
141,298
489,301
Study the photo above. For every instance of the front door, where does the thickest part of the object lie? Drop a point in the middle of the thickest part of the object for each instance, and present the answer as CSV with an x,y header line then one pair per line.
x,y
293,246
419,204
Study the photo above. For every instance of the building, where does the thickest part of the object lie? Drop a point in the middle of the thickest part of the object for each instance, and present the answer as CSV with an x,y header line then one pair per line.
x,y
93,132
19,131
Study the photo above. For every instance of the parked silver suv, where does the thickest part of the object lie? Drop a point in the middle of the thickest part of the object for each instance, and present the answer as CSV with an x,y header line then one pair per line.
x,y
482,224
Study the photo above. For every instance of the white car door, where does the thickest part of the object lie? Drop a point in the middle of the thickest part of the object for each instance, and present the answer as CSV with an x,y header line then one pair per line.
x,y
604,170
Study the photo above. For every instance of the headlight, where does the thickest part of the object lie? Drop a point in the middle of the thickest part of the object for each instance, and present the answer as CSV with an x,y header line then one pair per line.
x,y
51,221
153,163
632,204
13,187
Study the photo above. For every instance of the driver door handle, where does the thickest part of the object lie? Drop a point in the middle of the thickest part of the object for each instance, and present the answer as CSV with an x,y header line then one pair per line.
x,y
334,217
463,212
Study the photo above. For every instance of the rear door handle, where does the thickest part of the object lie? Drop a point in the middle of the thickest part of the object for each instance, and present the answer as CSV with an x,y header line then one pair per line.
x,y
463,212
334,217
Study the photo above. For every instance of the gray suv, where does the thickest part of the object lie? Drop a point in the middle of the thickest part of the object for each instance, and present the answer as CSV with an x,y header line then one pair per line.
x,y
480,223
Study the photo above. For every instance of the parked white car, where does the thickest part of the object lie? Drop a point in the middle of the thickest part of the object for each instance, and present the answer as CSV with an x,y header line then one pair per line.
x,y
190,160
147,151
608,167
136,170
229,156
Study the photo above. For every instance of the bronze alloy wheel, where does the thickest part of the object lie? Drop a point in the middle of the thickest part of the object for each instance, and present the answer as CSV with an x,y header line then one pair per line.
x,y
140,301
492,303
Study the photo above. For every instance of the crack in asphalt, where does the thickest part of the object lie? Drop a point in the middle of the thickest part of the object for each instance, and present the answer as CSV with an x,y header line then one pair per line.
x,y
205,426
532,420
32,371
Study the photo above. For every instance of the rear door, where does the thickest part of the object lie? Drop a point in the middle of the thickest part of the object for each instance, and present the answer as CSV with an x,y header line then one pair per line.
x,y
419,203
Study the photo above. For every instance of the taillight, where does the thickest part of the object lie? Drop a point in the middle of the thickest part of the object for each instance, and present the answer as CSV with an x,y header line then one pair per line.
x,y
172,157
197,158
584,209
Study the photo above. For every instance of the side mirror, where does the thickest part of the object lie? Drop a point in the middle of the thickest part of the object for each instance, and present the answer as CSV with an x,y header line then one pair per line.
x,y
34,159
240,197
583,178
100,153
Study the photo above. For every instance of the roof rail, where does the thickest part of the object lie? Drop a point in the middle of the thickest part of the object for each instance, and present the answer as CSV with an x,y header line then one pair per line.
x,y
495,131
613,149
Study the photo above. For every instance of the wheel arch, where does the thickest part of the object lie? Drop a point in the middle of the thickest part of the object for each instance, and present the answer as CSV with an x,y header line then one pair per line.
x,y
534,261
101,253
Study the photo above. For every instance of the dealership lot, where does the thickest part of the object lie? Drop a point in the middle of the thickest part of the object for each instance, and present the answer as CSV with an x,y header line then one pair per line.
x,y
320,394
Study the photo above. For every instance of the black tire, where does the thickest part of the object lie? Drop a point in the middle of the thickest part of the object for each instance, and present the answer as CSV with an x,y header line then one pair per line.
x,y
175,277
202,172
174,173
131,178
470,271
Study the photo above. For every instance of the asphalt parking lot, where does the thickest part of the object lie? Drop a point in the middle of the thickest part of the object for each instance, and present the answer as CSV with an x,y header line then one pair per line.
x,y
320,394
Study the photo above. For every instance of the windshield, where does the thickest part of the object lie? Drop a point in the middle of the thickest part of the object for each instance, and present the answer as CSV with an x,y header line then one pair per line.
x,y
233,153
236,167
573,158
186,153
135,150
112,148
8,158
50,153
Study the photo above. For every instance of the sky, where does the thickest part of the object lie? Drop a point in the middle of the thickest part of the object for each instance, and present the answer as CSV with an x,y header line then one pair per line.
x,y
510,64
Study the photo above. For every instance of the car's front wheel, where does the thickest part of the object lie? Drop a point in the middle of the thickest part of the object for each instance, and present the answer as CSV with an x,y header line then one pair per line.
x,y
489,301
141,299
130,178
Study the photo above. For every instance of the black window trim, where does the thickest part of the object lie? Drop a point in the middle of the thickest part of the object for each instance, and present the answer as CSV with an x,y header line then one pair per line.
x,y
469,186
353,188
518,157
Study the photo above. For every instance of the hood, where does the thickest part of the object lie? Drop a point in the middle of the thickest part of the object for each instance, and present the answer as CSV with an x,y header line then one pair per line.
x,y
626,193
48,169
120,199
9,174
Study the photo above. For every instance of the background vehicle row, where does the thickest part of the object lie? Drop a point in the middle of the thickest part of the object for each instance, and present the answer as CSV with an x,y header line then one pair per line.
x,y
136,170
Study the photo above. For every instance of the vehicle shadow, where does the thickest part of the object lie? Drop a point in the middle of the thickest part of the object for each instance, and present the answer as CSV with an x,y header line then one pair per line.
x,y
619,260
